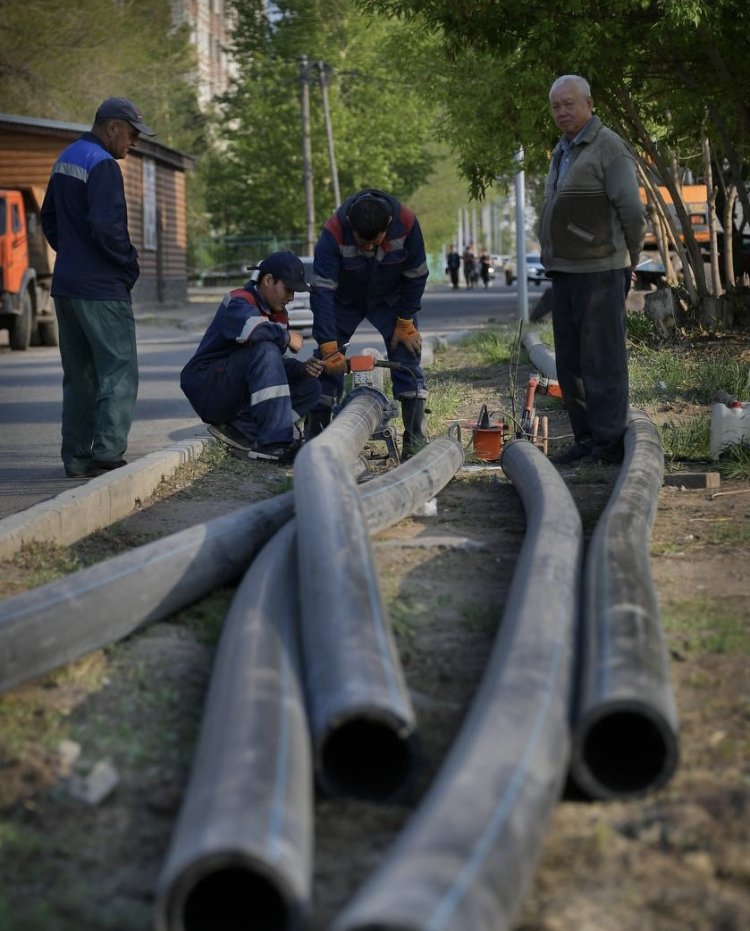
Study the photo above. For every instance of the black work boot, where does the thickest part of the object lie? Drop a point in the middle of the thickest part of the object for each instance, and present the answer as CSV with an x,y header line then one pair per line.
x,y
415,427
316,421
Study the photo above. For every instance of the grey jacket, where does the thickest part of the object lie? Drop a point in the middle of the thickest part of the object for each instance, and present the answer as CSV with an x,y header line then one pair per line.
x,y
595,220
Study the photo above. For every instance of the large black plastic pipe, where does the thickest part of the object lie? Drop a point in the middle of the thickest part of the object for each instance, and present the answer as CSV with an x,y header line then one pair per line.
x,y
396,494
625,731
241,850
360,712
625,735
65,619
468,854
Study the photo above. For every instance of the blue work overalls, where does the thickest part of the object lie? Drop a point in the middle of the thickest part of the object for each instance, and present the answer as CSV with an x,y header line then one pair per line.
x,y
240,376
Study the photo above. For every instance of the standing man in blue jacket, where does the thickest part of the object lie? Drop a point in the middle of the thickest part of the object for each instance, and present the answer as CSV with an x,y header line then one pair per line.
x,y
85,220
370,264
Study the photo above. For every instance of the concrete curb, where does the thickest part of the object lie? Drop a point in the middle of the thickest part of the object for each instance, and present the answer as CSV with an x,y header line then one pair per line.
x,y
100,502
108,498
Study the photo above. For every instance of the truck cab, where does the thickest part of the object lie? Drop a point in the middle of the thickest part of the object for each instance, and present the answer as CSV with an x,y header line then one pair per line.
x,y
26,309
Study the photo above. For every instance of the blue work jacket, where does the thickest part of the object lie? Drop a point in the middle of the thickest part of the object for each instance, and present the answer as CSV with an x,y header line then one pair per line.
x,y
85,219
346,279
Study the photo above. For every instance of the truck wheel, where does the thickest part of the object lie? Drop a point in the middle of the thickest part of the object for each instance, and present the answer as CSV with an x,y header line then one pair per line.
x,y
20,330
48,333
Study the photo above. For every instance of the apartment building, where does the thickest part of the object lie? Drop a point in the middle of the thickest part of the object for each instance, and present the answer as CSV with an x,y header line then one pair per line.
x,y
211,23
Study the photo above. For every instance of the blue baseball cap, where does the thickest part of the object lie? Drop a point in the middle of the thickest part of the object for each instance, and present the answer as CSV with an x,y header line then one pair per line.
x,y
120,108
285,266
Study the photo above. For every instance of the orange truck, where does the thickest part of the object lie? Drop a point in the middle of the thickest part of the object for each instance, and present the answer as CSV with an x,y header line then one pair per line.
x,y
695,197
26,260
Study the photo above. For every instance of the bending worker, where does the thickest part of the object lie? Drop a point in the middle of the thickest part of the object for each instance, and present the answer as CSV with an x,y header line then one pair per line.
x,y
370,264
239,381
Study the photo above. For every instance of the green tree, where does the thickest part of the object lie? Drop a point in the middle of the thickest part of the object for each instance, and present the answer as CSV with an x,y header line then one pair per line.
x,y
60,60
380,127
665,73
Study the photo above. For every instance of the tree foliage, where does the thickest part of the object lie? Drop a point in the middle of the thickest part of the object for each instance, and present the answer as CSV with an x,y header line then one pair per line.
x,y
380,127
665,73
59,60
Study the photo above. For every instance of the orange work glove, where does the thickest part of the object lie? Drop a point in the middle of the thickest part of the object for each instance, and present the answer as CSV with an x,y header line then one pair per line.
x,y
334,361
407,334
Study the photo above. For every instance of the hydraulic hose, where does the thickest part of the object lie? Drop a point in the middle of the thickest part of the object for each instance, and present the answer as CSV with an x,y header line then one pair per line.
x,y
468,854
625,729
241,850
69,617
360,712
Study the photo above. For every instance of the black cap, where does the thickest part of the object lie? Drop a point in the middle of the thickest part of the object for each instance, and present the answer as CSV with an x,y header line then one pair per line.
x,y
120,108
286,266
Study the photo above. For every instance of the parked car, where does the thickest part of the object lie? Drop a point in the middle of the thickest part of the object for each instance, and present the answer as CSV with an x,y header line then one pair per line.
x,y
498,265
300,314
534,269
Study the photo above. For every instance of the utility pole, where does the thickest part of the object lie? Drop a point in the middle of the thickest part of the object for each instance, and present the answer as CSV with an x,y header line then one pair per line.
x,y
522,283
323,69
307,171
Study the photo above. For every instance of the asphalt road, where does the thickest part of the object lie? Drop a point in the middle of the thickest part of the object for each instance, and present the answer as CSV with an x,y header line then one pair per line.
x,y
30,386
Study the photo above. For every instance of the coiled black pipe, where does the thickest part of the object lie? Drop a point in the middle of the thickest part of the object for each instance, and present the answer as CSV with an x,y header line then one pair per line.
x,y
241,851
65,619
467,856
625,729
360,712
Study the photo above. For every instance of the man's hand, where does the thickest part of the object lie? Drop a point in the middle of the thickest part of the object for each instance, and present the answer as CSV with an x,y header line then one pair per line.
x,y
407,334
294,340
334,361
314,367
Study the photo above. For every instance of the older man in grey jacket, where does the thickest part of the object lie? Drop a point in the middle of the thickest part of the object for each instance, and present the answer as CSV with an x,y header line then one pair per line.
x,y
591,230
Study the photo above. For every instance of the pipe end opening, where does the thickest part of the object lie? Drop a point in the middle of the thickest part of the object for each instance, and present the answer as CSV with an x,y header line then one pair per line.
x,y
367,759
226,898
625,753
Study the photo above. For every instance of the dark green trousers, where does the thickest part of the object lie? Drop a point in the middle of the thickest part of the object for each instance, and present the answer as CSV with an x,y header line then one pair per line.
x,y
100,380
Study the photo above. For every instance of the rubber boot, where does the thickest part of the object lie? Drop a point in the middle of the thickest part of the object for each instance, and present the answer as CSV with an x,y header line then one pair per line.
x,y
415,427
315,422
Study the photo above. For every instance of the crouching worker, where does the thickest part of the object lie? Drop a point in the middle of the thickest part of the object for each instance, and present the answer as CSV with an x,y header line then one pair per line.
x,y
239,381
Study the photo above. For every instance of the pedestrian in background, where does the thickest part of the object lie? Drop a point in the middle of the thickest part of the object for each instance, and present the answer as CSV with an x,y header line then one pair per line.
x,y
453,263
370,263
485,263
239,381
470,265
591,230
85,219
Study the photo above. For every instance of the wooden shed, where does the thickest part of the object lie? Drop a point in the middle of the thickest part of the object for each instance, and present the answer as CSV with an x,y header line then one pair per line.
x,y
154,177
